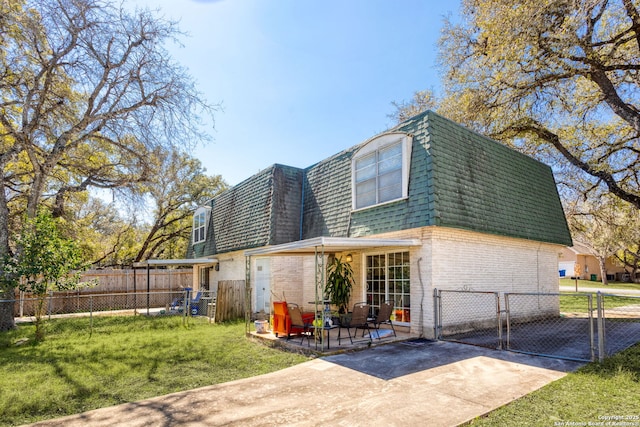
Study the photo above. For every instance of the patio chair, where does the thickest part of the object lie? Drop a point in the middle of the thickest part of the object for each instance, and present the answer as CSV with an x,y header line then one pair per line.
x,y
297,322
177,304
194,304
358,320
383,317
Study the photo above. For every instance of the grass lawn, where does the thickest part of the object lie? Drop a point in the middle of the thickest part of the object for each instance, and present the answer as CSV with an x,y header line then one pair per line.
x,y
596,391
576,303
583,284
123,359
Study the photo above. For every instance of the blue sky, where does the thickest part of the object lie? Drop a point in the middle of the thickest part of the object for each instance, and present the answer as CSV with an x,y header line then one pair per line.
x,y
299,81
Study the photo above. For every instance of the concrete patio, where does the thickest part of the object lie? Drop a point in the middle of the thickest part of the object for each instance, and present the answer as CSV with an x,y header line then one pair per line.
x,y
334,341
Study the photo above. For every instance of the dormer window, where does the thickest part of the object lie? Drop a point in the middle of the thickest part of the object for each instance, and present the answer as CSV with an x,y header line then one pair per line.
x,y
200,219
380,170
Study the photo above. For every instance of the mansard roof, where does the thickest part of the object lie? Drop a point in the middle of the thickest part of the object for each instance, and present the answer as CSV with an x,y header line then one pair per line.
x,y
458,179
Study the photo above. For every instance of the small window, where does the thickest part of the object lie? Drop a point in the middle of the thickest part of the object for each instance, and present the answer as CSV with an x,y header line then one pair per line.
x,y
380,171
200,225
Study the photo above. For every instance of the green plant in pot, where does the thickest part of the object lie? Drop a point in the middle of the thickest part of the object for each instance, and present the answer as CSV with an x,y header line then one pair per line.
x,y
339,284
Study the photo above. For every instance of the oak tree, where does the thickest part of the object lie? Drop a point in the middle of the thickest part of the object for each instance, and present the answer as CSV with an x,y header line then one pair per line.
x,y
555,78
87,91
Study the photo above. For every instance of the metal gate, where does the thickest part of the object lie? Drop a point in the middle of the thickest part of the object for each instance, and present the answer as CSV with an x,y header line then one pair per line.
x,y
469,317
565,326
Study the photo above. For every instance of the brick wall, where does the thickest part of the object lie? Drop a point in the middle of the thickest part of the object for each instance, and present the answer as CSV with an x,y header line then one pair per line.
x,y
457,259
449,259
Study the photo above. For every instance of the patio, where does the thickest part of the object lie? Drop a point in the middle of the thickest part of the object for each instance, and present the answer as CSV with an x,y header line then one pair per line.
x,y
328,344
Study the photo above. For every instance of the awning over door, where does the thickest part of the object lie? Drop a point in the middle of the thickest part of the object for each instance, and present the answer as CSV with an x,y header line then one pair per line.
x,y
330,245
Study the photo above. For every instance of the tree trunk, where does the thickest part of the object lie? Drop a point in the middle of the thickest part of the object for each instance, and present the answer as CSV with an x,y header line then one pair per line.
x,y
6,310
603,270
7,293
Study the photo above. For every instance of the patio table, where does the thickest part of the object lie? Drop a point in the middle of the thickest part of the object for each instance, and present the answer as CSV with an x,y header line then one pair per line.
x,y
323,328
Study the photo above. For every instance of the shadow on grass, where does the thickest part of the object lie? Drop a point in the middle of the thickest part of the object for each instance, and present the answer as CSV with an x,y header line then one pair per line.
x,y
122,360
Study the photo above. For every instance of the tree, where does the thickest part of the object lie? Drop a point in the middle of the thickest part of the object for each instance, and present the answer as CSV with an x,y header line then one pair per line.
x,y
629,254
45,262
179,185
160,227
88,91
106,236
601,227
421,101
552,78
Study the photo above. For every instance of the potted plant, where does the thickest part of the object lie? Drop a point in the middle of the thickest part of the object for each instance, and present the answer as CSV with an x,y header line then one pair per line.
x,y
339,284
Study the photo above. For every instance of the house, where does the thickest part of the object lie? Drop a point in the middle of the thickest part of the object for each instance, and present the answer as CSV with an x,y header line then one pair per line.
x,y
588,265
428,204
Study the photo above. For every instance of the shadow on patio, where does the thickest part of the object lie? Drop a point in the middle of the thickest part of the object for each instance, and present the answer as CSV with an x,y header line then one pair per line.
x,y
333,341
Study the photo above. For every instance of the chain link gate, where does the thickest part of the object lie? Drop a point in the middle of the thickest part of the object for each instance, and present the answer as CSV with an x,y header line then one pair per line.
x,y
564,326
618,323
555,325
469,317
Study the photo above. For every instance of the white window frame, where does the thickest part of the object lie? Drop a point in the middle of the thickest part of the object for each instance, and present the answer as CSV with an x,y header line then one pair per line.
x,y
387,282
199,233
375,145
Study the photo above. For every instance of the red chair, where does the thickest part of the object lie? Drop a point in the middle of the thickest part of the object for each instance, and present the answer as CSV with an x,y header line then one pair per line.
x,y
282,321
280,316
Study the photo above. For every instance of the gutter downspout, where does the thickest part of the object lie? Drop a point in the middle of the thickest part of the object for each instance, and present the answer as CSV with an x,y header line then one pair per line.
x,y
304,180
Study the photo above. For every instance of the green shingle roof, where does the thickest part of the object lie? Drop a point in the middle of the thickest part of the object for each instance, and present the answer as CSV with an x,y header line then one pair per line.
x,y
262,210
458,179
482,185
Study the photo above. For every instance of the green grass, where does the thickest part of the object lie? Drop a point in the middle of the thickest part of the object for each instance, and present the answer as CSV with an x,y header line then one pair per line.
x,y
596,390
123,359
577,303
582,284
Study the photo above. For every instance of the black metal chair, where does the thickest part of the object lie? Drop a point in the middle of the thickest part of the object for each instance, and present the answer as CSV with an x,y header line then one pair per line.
x,y
358,320
295,315
383,317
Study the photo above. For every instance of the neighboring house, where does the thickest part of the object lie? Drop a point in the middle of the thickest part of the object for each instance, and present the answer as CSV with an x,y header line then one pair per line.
x,y
425,205
589,267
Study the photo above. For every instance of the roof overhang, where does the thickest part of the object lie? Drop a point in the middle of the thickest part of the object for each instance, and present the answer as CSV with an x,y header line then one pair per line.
x,y
330,245
175,262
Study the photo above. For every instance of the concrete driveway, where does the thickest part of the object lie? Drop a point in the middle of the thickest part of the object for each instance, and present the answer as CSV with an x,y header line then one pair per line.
x,y
401,384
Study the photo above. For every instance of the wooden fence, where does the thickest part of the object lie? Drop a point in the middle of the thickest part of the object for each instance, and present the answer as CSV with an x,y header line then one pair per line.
x,y
230,300
109,281
115,291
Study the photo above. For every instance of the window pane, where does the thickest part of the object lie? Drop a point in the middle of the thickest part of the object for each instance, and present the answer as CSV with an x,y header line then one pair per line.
x,y
390,158
390,179
366,167
366,194
390,186
380,173
390,151
389,165
389,193
366,173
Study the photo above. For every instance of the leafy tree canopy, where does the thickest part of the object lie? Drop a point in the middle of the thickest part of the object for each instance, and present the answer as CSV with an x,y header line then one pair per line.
x,y
557,79
89,98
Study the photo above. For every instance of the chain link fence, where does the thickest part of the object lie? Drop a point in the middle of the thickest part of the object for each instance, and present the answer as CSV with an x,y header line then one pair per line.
x,y
618,322
556,325
567,326
183,303
469,317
